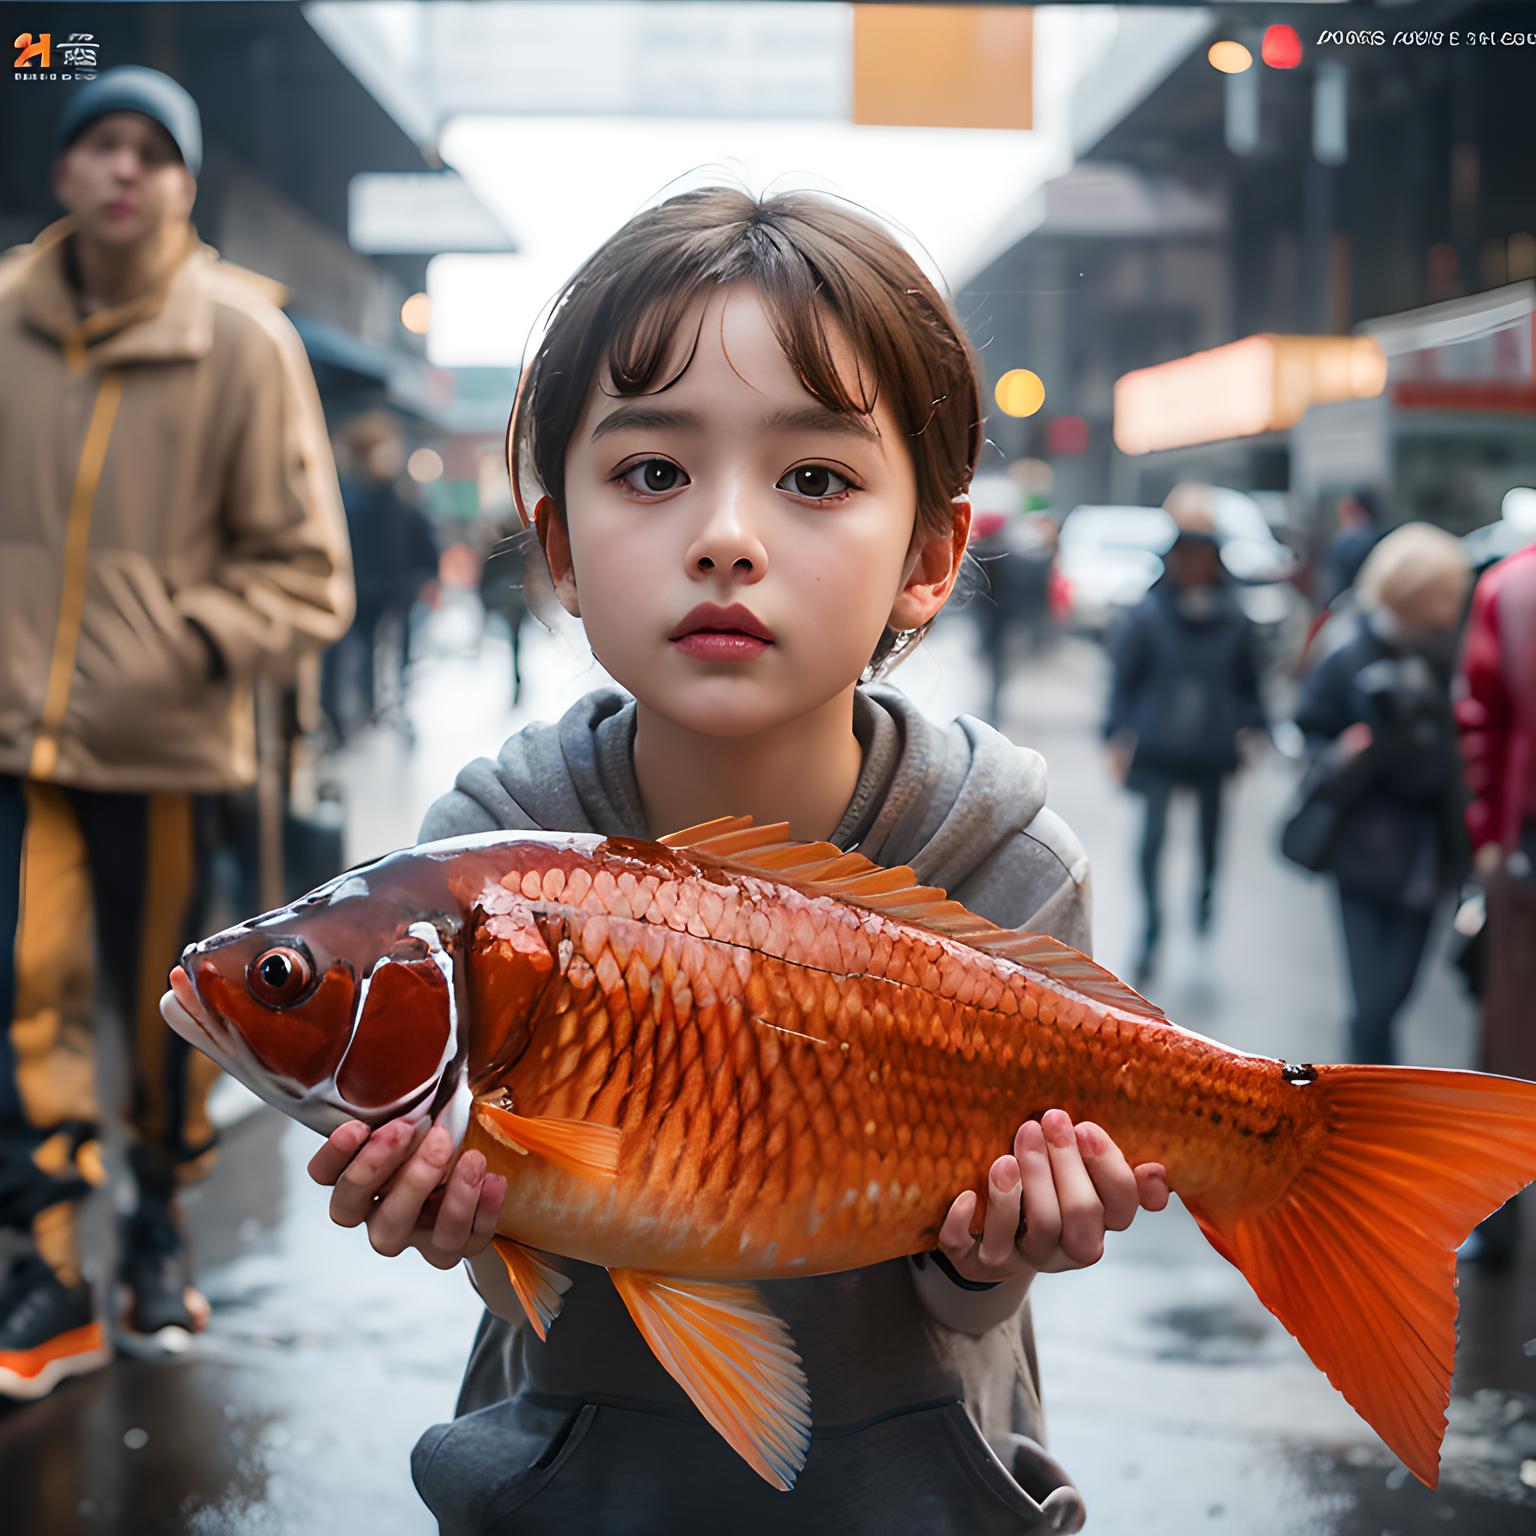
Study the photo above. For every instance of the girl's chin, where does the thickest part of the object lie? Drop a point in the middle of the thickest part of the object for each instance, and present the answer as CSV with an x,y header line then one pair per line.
x,y
726,701
706,712
723,707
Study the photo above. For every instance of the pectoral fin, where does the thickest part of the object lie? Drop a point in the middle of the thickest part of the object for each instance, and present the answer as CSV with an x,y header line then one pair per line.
x,y
575,1144
540,1286
734,1358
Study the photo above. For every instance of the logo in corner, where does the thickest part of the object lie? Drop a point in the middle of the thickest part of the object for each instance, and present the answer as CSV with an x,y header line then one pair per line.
x,y
35,57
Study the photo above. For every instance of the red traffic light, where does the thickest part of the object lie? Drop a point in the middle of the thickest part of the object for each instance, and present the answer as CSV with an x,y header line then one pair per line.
x,y
1281,48
1067,434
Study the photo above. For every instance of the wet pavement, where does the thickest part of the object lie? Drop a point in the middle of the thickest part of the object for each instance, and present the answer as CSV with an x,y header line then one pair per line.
x,y
1179,1404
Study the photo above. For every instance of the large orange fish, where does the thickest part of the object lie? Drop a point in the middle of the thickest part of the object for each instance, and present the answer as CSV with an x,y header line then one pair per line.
x,y
729,1056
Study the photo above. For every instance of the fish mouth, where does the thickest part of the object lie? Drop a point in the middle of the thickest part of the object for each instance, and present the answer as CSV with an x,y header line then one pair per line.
x,y
183,1010
189,1017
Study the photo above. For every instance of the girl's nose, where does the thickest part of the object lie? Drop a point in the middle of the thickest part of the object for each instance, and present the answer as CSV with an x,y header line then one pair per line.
x,y
728,542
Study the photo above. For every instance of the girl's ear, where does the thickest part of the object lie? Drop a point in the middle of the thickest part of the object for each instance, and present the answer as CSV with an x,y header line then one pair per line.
x,y
932,570
557,554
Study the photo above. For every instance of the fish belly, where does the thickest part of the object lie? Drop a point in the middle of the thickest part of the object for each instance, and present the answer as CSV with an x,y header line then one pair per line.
x,y
802,1090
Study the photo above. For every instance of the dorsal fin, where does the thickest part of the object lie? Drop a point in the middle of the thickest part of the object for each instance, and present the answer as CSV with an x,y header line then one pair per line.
x,y
824,869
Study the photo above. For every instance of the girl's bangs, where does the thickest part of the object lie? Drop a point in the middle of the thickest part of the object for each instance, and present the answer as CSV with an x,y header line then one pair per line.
x,y
646,329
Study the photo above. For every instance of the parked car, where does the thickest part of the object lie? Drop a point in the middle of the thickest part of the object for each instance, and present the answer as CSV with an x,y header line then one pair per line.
x,y
1109,557
1514,529
995,501
1249,548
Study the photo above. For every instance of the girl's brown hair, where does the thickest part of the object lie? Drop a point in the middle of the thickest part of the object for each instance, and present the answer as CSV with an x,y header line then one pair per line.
x,y
814,259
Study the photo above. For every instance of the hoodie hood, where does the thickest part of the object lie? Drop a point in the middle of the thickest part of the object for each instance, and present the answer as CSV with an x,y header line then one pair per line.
x,y
944,799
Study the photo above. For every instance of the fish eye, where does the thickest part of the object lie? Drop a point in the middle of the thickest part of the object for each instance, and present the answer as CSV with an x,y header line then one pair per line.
x,y
279,977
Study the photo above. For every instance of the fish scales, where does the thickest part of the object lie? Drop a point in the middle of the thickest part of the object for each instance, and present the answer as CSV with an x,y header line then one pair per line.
x,y
728,1066
918,1057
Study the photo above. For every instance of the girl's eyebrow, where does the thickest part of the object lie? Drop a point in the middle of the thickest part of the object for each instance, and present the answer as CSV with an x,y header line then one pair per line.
x,y
807,418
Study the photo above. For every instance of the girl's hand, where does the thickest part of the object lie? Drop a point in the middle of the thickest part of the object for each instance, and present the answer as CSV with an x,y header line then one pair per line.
x,y
392,1180
1050,1203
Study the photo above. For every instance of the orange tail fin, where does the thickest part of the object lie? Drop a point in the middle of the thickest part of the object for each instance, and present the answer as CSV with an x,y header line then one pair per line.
x,y
1357,1258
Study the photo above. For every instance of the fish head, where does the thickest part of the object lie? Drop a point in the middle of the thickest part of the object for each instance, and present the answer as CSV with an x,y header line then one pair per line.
x,y
339,1006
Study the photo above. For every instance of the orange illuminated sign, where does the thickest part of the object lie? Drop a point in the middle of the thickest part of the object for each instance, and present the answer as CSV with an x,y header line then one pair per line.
x,y
943,66
1261,384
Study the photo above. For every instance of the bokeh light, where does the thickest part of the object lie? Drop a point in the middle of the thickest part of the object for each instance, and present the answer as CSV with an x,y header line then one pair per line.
x,y
424,466
1019,392
416,314
1281,48
1229,57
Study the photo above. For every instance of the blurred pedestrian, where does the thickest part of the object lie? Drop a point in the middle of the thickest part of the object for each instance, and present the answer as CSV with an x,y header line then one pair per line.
x,y
1185,688
1496,716
1018,556
501,589
395,558
171,521
1360,526
1396,848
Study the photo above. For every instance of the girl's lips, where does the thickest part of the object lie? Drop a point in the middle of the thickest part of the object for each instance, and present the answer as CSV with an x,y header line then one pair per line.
x,y
720,645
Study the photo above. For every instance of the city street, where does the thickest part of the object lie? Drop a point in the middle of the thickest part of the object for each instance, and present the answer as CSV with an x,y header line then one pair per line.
x,y
1179,1404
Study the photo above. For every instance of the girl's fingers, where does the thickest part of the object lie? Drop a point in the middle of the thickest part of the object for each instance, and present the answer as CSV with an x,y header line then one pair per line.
x,y
385,1150
1000,1230
397,1215
338,1149
492,1193
1041,1235
1082,1217
461,1199
955,1235
1111,1175
1151,1186
482,1227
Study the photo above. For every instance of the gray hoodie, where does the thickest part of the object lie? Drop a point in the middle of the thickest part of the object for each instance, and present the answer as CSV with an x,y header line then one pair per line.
x,y
918,1428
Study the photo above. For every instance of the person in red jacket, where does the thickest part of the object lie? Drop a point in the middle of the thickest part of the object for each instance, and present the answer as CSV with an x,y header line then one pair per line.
x,y
1496,718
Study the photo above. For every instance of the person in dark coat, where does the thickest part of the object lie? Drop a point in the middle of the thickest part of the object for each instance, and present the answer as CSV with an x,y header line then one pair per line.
x,y
1360,526
1398,848
395,557
1018,558
1186,685
502,590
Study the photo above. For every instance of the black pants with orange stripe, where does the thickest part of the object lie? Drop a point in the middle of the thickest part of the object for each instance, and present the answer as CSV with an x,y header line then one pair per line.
x,y
91,880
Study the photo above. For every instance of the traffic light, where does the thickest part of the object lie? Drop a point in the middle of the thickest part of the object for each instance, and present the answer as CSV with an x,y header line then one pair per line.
x,y
1281,48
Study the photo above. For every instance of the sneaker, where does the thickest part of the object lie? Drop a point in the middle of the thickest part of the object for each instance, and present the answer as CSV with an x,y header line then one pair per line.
x,y
48,1330
162,1307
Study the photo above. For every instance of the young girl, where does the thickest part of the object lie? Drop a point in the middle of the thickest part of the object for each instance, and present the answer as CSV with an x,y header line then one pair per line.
x,y
751,426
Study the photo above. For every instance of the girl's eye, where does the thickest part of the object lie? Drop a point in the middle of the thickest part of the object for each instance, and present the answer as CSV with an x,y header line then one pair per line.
x,y
816,483
653,476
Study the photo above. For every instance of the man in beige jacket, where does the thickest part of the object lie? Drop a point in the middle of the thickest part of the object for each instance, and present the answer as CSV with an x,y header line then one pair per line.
x,y
170,522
